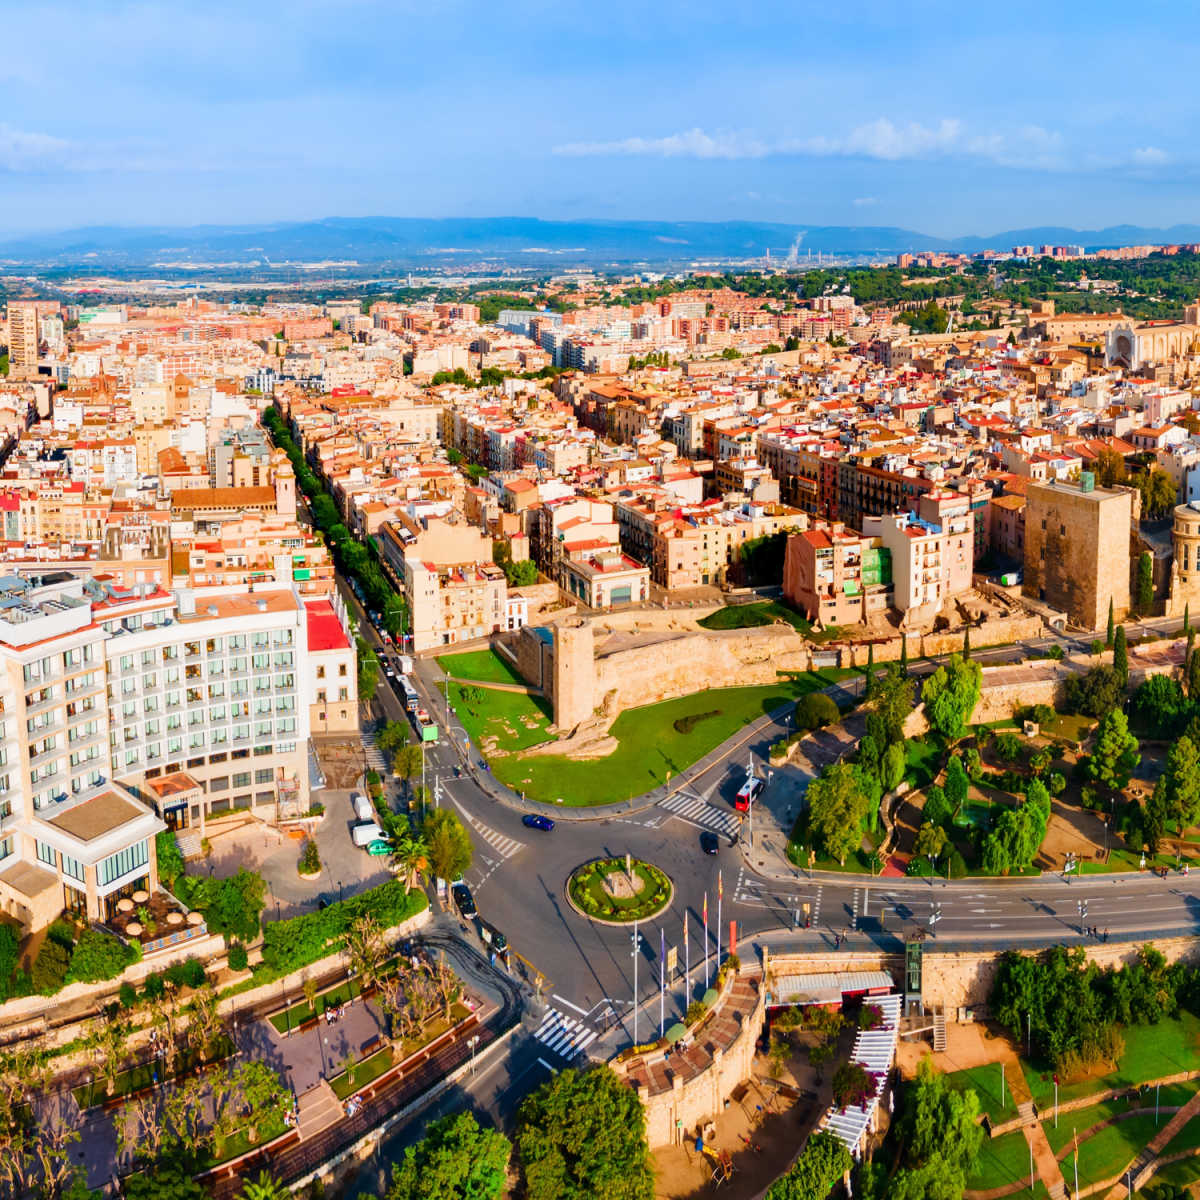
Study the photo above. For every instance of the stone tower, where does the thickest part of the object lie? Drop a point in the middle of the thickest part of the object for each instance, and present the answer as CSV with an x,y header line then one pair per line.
x,y
285,491
574,674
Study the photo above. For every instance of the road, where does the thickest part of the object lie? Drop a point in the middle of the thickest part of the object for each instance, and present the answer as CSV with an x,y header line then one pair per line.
x,y
586,971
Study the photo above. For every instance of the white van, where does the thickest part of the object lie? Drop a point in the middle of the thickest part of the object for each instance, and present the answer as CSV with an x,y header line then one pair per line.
x,y
362,807
366,833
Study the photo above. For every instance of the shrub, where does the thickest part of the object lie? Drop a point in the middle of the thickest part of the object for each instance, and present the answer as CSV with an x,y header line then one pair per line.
x,y
852,1084
937,808
870,1016
10,948
1009,747
50,967
816,710
956,865
127,996
169,856
189,973
688,723
310,858
98,956
237,957
62,932
153,987
695,1011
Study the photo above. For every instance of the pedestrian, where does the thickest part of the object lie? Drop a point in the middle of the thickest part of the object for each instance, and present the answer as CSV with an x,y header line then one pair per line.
x,y
1106,934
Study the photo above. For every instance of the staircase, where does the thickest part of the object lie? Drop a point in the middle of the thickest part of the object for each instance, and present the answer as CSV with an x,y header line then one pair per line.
x,y
188,841
318,1108
939,1030
1058,1191
1026,1113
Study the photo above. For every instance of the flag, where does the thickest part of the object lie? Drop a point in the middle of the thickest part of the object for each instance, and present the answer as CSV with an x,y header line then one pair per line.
x,y
685,942
720,888
705,908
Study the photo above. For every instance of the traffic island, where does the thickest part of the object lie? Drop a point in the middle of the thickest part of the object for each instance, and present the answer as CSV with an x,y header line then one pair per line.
x,y
619,891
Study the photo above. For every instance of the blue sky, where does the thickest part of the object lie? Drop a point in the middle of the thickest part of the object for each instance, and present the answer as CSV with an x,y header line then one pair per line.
x,y
940,117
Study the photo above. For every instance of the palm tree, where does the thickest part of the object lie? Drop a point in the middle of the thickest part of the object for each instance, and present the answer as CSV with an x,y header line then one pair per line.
x,y
366,949
410,858
265,1187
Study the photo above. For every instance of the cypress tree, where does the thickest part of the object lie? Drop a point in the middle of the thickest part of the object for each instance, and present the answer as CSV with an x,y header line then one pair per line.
x,y
966,645
1121,656
870,669
1191,637
1187,618
904,655
1109,640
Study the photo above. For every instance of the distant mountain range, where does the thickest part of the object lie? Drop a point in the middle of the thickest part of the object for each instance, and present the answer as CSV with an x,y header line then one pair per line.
x,y
523,241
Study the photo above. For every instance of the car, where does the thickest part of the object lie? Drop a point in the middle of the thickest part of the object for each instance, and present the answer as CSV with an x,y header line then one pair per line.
x,y
710,843
379,847
537,821
464,901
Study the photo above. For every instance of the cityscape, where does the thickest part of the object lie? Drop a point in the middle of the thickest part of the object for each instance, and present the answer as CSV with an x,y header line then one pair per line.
x,y
661,665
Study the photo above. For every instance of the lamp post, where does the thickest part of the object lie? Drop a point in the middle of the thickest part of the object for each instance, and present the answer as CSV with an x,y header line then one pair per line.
x,y
473,1041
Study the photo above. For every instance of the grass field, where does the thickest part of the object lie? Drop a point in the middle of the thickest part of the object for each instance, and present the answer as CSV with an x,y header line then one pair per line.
x,y
921,762
1151,1052
515,720
1112,1149
985,1082
1004,1160
1172,1095
1180,1174
650,747
767,612
362,1073
485,665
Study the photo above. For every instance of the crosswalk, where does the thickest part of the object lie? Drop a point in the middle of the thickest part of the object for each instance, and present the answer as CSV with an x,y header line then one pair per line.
x,y
506,847
696,810
565,1036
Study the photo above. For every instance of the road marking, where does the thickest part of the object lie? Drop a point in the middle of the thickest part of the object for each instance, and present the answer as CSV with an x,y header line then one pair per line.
x,y
564,1035
552,1070
563,1000
506,847
697,811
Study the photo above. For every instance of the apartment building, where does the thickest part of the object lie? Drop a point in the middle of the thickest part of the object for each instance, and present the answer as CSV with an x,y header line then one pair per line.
x,y
1077,538
605,579
23,339
332,671
458,603
836,576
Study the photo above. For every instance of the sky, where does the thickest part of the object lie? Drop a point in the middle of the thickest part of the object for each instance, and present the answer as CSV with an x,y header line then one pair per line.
x,y
945,118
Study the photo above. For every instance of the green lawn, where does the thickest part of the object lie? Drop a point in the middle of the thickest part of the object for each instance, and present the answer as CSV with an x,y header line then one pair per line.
x,y
1110,1151
922,761
240,1142
484,665
650,748
985,1083
362,1073
297,1014
516,720
1173,1095
1180,1174
1188,1138
767,612
1151,1052
1070,727
1004,1160
137,1078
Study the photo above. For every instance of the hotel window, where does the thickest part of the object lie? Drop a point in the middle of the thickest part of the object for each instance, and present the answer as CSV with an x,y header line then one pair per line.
x,y
122,863
72,868
5,847
46,854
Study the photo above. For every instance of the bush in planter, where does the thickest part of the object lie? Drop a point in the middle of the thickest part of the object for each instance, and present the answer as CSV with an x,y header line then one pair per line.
x,y
310,858
237,957
189,973
98,956
127,995
50,968
153,987
695,1011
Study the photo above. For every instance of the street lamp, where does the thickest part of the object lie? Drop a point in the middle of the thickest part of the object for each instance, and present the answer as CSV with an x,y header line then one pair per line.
x,y
473,1041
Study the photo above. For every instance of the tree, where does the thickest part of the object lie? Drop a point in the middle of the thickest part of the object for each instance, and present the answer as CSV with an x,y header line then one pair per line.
x,y
366,948
448,842
368,671
1094,693
937,810
233,906
265,1187
164,1181
1181,777
455,1160
966,650
1159,704
410,857
931,841
1115,754
98,956
1109,639
893,703
1193,676
1145,584
837,806
957,783
582,1136
393,736
950,695
893,766
1187,616
1109,467
904,655
1159,493
940,1122
852,1085
822,1162
107,1044
169,857
869,690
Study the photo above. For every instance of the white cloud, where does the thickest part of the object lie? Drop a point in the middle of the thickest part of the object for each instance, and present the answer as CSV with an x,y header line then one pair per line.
x,y
693,143
864,201
1149,156
24,151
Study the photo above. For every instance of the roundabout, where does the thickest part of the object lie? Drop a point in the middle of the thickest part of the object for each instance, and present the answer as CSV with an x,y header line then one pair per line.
x,y
619,891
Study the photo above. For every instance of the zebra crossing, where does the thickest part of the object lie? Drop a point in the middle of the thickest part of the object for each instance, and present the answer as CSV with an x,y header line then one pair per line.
x,y
506,847
697,811
565,1036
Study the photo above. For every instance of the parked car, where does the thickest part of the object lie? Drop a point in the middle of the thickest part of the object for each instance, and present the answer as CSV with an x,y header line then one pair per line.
x,y
537,821
464,901
379,848
365,834
710,843
362,806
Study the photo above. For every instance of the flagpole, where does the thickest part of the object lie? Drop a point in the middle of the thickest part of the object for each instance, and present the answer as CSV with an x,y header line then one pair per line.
x,y
662,982
706,951
687,965
720,896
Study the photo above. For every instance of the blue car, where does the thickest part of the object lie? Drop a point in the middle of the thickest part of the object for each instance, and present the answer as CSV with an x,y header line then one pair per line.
x,y
534,821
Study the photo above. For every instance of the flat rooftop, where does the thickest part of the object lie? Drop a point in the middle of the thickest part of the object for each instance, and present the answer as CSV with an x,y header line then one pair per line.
x,y
96,817
174,784
325,631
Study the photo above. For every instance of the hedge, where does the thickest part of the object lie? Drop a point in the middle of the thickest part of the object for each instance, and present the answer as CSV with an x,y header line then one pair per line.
x,y
289,945
98,956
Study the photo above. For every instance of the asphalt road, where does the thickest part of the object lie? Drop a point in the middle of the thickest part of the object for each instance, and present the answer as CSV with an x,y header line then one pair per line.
x,y
586,971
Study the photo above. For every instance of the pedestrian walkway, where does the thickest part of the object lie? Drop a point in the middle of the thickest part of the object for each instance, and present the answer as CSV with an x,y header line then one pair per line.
x,y
1143,1167
506,847
566,1036
374,755
317,1109
697,811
